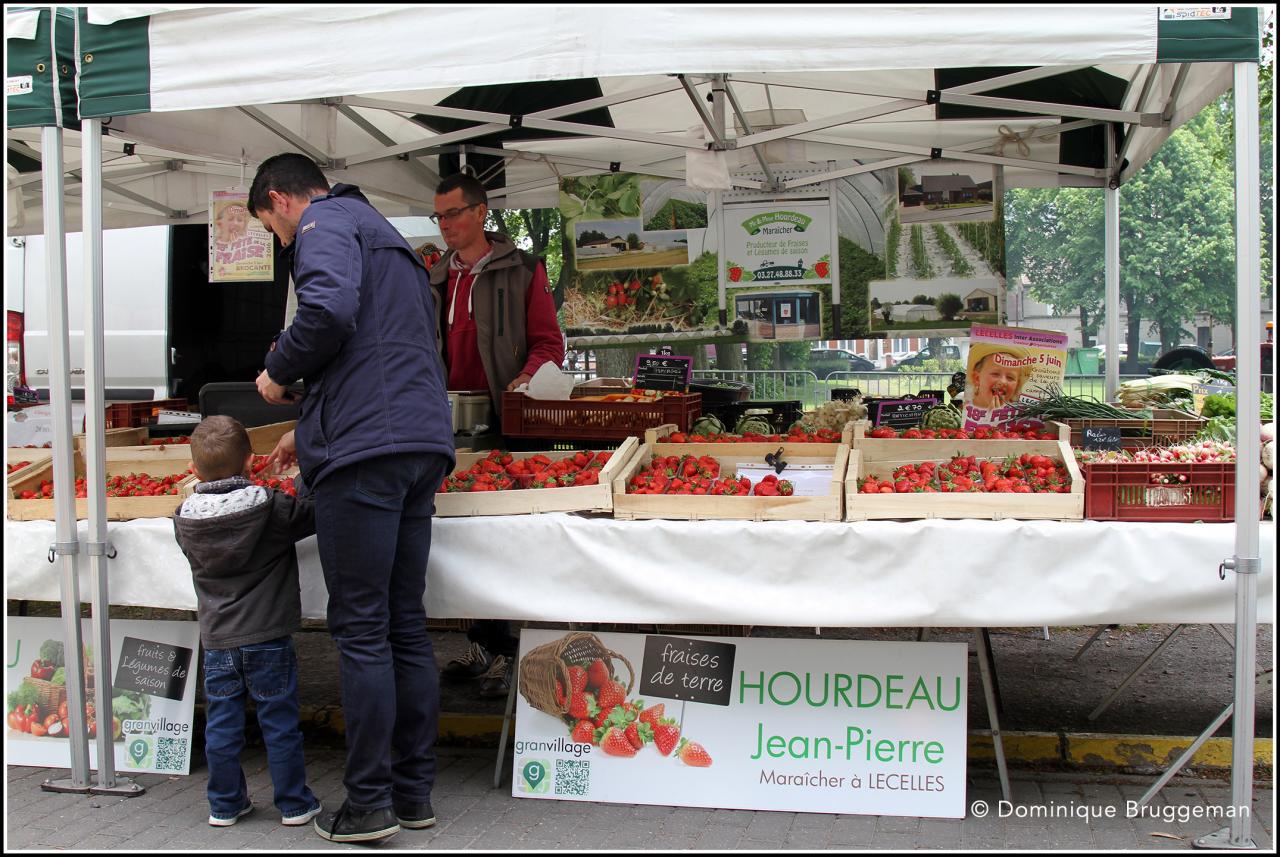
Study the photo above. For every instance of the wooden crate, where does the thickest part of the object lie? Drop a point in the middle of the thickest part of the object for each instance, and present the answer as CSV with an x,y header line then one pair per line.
x,y
1165,428
532,501
118,437
36,459
263,439
856,434
880,457
760,449
118,508
629,507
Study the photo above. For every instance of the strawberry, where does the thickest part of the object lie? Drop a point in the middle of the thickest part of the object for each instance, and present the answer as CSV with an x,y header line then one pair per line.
x,y
584,732
665,735
578,680
611,693
597,674
693,754
560,700
632,733
580,705
654,714
615,743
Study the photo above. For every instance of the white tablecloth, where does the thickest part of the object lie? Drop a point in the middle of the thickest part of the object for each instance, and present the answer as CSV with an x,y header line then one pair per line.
x,y
563,567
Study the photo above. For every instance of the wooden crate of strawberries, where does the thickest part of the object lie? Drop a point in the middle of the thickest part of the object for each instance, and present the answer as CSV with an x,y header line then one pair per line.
x,y
692,481
527,483
165,481
908,479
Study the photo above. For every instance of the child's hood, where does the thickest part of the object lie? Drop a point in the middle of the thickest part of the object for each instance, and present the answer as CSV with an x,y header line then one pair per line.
x,y
219,531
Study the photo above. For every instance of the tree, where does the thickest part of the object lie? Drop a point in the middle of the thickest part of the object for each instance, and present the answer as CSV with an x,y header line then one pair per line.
x,y
590,235
633,241
949,305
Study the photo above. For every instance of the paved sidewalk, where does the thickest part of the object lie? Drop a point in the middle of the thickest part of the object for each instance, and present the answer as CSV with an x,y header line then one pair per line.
x,y
172,816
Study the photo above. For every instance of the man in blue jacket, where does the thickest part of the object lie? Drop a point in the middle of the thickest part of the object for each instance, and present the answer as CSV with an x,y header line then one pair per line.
x,y
374,441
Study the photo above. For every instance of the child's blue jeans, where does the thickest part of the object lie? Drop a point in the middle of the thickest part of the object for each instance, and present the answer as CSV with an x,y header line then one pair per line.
x,y
268,672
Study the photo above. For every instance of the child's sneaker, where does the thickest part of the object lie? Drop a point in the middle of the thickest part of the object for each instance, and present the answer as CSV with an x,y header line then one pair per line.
x,y
218,821
303,818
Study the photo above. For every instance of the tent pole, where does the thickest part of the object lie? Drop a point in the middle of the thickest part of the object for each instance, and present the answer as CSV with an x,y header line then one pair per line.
x,y
64,472
1111,308
95,460
1246,562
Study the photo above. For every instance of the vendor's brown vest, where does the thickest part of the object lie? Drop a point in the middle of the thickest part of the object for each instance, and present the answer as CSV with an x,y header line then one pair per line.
x,y
499,305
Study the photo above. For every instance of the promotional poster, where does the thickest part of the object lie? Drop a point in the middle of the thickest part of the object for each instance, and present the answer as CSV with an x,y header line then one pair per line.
x,y
240,249
852,727
153,694
1008,365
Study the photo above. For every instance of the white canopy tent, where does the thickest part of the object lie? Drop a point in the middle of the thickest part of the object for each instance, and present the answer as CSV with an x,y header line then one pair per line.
x,y
183,99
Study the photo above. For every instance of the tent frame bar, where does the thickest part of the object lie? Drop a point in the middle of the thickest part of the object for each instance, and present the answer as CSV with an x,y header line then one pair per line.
x,y
285,134
1045,108
1013,79
423,171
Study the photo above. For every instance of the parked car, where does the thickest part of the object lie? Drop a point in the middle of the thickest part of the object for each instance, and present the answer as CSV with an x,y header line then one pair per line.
x,y
824,361
950,355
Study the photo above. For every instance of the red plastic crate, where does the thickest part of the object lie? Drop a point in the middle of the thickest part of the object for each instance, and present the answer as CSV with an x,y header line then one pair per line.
x,y
1125,492
134,414
579,420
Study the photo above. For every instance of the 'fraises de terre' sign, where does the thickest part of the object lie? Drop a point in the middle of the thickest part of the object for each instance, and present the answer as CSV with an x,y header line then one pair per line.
x,y
808,726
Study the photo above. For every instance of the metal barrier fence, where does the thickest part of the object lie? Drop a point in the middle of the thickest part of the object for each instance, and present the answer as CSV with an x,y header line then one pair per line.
x,y
805,386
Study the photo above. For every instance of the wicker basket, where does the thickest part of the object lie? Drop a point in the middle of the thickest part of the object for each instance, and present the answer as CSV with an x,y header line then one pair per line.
x,y
550,662
50,695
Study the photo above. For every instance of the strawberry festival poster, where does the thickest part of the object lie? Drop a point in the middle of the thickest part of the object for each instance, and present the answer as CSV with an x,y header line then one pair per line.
x,y
153,697
240,247
777,242
834,726
1008,366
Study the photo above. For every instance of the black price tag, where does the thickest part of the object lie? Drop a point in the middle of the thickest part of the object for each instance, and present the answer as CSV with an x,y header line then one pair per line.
x,y
158,669
659,372
691,670
902,413
1102,438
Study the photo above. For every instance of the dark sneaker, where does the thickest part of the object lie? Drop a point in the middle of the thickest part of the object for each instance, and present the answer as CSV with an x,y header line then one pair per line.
x,y
415,815
227,821
353,825
473,664
497,681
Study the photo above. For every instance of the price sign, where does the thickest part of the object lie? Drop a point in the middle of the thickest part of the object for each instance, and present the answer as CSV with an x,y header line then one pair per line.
x,y
158,669
691,670
1102,438
659,372
903,413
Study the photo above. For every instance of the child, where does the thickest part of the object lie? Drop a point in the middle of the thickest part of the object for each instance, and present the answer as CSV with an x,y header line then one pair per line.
x,y
239,538
997,375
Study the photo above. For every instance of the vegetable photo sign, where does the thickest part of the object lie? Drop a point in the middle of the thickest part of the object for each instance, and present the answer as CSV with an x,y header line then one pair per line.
x,y
847,727
153,695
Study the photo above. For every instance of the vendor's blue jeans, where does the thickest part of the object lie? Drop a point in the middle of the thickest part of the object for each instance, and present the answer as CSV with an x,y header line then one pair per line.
x,y
373,529
268,672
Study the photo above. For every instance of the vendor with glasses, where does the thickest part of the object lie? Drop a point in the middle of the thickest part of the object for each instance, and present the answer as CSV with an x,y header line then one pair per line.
x,y
497,323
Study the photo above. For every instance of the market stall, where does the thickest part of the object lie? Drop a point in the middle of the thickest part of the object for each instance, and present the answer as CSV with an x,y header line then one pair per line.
x,y
1081,100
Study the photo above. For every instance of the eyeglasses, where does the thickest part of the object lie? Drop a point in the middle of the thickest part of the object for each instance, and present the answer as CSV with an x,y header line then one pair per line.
x,y
451,214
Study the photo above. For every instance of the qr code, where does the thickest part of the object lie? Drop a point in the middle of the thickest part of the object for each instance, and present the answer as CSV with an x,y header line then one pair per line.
x,y
573,777
171,754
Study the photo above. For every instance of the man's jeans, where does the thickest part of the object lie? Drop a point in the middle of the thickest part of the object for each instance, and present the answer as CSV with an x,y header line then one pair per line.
x,y
268,672
373,529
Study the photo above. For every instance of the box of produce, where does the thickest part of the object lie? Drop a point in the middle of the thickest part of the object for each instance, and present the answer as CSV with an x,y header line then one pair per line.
x,y
704,431
943,428
1150,427
993,479
526,483
135,489
614,416
22,460
1182,484
692,481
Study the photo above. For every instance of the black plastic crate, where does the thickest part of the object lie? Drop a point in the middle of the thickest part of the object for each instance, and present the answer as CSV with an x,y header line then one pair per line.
x,y
781,414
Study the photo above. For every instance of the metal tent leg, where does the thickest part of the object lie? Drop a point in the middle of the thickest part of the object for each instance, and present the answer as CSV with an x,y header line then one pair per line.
x,y
1096,634
1106,703
982,642
506,725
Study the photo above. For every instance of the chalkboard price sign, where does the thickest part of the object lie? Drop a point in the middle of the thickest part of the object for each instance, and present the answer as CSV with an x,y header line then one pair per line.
x,y
1102,438
690,670
158,669
903,413
659,372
